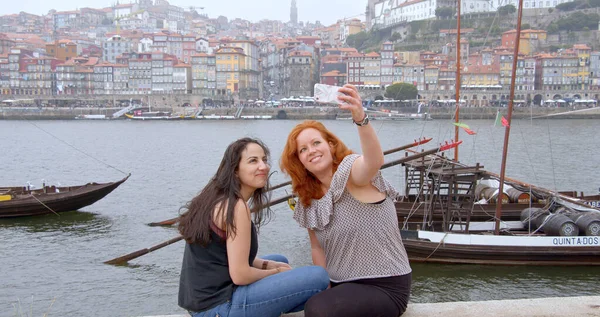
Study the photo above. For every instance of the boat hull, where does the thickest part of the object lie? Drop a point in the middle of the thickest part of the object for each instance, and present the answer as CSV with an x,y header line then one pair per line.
x,y
68,199
423,250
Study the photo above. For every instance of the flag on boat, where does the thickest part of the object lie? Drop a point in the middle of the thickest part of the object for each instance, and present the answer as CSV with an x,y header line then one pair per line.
x,y
464,127
500,120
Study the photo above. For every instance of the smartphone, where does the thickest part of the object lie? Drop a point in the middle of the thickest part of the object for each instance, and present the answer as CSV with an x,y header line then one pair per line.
x,y
327,94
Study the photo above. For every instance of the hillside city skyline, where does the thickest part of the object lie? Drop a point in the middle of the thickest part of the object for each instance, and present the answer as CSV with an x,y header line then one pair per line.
x,y
327,12
153,47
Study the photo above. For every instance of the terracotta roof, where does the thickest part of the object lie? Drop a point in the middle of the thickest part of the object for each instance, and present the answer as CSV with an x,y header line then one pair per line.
x,y
482,69
581,47
333,73
300,53
372,54
525,31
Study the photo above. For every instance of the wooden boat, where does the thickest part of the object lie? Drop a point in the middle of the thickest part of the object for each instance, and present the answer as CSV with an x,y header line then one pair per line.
x,y
21,201
564,231
446,228
152,115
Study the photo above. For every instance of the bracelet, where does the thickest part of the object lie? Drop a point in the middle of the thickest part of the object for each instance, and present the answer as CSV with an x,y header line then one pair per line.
x,y
264,265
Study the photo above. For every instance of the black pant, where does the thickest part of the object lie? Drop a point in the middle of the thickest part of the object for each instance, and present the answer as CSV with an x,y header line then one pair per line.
x,y
381,297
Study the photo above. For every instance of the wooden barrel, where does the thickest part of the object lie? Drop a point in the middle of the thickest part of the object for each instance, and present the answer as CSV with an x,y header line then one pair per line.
x,y
587,222
479,191
490,194
557,225
517,196
529,214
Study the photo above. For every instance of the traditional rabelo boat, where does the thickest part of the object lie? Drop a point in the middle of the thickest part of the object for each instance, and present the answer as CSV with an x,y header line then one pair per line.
x,y
454,213
24,201
152,115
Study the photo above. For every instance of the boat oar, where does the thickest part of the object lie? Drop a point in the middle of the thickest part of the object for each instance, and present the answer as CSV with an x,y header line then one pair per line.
x,y
136,254
172,221
168,222
127,257
441,148
408,146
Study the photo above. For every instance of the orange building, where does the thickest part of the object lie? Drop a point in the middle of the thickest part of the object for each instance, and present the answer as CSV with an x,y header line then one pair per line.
x,y
530,41
63,50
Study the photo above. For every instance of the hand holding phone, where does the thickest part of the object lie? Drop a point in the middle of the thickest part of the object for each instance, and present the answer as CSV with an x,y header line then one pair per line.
x,y
327,94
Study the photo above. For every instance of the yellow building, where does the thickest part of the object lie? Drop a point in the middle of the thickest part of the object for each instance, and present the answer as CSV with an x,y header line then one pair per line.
x,y
583,71
251,69
230,77
530,42
480,76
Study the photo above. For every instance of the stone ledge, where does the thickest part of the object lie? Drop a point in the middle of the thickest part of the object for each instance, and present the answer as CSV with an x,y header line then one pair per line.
x,y
582,306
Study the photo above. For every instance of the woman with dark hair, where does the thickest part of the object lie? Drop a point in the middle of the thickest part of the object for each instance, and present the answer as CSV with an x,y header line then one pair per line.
x,y
220,274
348,209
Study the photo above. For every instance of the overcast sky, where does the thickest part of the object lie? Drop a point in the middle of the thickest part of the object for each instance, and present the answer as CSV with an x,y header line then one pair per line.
x,y
326,11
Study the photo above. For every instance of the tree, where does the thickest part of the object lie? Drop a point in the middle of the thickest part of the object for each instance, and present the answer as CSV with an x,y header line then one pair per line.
x,y
445,12
401,91
552,28
507,9
395,37
525,26
357,40
567,6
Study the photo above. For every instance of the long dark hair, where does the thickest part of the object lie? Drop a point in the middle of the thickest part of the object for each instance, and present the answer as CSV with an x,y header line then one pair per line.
x,y
223,188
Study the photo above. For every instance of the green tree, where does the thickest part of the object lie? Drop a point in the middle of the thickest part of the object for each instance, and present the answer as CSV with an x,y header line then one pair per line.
x,y
401,91
395,37
444,12
525,26
357,40
567,6
507,9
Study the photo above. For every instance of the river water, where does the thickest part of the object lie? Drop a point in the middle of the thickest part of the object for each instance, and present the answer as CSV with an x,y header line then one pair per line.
x,y
53,264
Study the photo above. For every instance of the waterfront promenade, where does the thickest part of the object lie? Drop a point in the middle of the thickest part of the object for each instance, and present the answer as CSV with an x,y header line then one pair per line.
x,y
581,306
299,113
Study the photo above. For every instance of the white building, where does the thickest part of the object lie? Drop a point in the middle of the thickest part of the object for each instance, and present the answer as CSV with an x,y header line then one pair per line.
x,y
145,45
115,46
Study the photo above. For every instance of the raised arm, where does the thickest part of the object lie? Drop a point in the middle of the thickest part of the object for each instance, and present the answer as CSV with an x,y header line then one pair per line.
x,y
366,166
238,250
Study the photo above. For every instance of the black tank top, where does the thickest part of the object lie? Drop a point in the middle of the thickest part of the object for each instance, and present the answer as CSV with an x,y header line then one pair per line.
x,y
205,282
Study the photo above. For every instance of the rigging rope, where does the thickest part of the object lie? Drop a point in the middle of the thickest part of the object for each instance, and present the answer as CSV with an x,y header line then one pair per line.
x,y
74,148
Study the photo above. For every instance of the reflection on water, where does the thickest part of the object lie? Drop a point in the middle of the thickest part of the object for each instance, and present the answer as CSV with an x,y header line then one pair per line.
x,y
77,223
444,283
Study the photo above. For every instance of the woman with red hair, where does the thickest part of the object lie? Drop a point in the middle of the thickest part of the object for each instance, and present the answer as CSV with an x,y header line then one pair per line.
x,y
348,209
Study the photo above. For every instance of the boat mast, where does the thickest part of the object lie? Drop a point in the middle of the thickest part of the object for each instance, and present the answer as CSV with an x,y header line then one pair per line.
x,y
457,81
508,117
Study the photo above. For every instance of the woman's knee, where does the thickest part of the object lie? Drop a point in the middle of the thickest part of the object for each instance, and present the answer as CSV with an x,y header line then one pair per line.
x,y
317,306
276,257
317,276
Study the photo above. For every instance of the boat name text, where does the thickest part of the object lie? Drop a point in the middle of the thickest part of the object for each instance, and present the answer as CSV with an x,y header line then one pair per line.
x,y
576,241
595,204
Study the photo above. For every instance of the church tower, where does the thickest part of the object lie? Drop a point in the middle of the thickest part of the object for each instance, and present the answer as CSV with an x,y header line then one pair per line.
x,y
294,13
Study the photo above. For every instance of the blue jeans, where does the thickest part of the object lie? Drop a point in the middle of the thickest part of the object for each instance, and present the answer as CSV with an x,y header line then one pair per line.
x,y
273,295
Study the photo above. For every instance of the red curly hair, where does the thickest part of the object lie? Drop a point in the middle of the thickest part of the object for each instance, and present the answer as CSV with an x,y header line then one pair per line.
x,y
304,183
